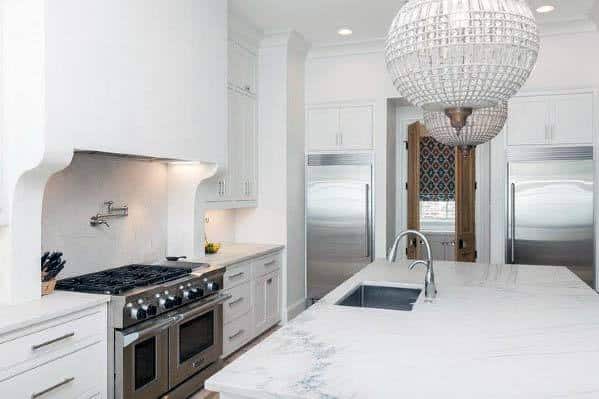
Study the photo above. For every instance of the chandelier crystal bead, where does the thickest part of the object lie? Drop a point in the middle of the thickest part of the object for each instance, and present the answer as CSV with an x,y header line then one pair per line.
x,y
483,125
461,53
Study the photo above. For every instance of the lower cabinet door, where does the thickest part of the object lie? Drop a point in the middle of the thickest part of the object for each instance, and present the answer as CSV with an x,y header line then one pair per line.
x,y
273,298
78,375
260,319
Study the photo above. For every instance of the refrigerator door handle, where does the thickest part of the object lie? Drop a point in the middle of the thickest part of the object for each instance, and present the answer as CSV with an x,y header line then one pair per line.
x,y
513,222
367,222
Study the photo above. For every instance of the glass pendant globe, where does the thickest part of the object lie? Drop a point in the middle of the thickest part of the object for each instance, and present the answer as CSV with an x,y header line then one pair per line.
x,y
460,55
482,126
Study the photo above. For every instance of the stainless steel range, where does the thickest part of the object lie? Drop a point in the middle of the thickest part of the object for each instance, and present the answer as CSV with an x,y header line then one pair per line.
x,y
165,328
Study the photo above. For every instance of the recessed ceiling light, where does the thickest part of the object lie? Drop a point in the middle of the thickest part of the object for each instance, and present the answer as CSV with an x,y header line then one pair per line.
x,y
545,9
345,31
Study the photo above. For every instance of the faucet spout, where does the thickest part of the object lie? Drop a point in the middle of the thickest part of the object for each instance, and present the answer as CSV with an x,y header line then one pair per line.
x,y
430,288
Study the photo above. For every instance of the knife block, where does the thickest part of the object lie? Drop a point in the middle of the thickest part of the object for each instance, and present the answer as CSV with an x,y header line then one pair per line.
x,y
48,287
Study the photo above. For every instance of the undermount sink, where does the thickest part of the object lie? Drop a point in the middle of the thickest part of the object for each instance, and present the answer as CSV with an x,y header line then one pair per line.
x,y
381,297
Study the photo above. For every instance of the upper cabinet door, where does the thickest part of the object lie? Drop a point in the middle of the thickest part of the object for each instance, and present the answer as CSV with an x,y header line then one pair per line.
x,y
249,183
242,68
356,128
572,119
528,121
323,129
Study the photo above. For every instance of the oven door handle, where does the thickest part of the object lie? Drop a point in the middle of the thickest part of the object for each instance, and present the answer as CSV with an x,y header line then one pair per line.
x,y
135,335
220,298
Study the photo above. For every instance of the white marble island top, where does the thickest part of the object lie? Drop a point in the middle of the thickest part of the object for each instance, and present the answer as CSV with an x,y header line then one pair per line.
x,y
495,331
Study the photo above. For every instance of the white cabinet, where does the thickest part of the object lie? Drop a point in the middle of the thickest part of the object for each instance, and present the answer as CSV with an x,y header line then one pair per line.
x,y
242,68
528,121
45,360
338,128
572,119
355,127
255,303
323,129
236,182
563,119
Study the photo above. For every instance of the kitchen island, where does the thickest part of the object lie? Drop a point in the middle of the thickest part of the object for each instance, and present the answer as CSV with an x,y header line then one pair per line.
x,y
494,331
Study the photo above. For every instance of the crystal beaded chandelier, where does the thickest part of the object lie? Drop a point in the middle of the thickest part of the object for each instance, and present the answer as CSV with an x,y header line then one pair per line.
x,y
483,125
457,56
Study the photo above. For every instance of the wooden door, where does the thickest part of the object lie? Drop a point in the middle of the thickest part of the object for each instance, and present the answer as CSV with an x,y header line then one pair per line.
x,y
465,175
415,131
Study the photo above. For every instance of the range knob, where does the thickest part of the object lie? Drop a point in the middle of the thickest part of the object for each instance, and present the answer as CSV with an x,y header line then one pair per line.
x,y
178,300
212,286
196,293
138,313
151,310
167,302
186,294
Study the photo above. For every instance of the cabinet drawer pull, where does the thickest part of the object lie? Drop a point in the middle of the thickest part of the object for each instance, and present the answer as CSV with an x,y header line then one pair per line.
x,y
52,341
269,281
234,276
237,334
235,302
52,388
272,262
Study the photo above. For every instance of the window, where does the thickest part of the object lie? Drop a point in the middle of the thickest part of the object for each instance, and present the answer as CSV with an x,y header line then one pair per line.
x,y
437,215
437,186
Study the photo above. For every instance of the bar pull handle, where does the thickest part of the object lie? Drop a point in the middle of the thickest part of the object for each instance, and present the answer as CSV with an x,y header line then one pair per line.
x,y
272,262
235,302
234,276
52,388
513,223
52,341
237,334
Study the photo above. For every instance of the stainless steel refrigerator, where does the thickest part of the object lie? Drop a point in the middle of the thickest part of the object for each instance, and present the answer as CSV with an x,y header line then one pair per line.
x,y
550,209
338,219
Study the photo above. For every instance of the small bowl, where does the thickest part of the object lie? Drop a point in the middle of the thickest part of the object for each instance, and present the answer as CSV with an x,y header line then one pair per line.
x,y
211,248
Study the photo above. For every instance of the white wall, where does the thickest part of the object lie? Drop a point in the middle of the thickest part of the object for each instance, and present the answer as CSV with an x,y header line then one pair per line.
x,y
219,225
73,195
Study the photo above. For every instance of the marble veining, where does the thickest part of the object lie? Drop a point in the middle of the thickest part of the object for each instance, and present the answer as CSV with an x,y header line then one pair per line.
x,y
495,331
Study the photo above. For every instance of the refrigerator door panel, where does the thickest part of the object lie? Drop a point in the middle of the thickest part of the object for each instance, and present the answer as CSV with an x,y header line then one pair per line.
x,y
338,225
551,214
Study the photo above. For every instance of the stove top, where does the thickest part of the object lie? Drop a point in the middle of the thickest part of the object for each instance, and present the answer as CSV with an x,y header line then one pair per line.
x,y
122,279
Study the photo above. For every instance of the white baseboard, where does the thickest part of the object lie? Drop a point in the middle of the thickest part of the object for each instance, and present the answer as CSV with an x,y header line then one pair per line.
x,y
296,308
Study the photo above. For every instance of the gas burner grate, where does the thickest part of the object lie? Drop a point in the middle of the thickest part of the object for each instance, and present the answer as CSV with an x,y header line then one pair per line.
x,y
119,280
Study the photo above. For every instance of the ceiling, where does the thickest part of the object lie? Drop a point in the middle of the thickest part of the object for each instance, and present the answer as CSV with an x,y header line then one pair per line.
x,y
319,20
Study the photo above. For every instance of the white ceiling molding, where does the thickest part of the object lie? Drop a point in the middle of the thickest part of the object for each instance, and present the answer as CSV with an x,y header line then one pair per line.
x,y
345,49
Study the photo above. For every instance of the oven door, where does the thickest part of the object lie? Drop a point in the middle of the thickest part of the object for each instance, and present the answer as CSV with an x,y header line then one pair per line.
x,y
141,360
196,339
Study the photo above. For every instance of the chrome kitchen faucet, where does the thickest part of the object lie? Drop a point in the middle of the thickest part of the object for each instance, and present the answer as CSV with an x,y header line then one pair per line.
x,y
430,289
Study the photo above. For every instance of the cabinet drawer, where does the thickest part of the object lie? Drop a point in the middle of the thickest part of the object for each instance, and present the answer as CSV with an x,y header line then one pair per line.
x,y
266,265
79,375
236,334
54,341
239,304
236,275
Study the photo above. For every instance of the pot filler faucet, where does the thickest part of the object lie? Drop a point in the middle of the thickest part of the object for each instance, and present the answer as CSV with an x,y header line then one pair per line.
x,y
430,289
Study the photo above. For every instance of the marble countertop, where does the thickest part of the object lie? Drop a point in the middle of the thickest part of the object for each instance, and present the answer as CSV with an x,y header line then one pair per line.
x,y
494,331
232,253
57,304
